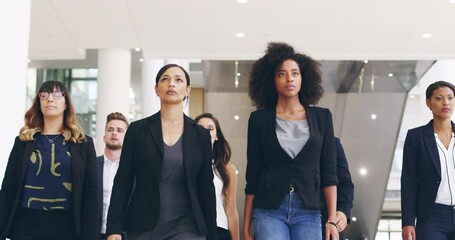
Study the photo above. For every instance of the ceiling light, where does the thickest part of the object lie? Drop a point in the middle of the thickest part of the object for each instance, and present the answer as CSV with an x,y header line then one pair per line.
x,y
390,74
354,219
412,96
236,117
451,1
141,60
28,60
242,1
373,116
363,171
240,35
366,61
427,35
237,172
137,49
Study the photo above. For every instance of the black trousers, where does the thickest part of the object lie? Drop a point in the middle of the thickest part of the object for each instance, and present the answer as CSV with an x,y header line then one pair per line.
x,y
223,234
439,225
31,224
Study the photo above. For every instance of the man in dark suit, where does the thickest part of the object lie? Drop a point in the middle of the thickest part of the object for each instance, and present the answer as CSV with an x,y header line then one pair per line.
x,y
116,126
345,192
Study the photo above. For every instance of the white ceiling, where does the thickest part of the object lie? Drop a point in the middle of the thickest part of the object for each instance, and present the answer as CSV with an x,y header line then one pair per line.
x,y
205,29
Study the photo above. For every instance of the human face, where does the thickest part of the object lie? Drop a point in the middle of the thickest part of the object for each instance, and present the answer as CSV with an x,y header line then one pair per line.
x,y
209,124
53,107
442,103
114,134
172,86
288,79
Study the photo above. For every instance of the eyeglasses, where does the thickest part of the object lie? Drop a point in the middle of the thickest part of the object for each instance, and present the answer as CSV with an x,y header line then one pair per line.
x,y
55,95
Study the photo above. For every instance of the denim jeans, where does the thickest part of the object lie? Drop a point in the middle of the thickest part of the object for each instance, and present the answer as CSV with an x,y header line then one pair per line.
x,y
290,221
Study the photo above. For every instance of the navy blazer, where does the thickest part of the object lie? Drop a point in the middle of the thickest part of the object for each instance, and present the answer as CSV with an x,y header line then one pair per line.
x,y
345,188
84,187
420,175
270,170
136,210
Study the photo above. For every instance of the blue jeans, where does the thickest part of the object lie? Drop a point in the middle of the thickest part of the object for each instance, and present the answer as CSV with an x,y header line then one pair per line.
x,y
290,221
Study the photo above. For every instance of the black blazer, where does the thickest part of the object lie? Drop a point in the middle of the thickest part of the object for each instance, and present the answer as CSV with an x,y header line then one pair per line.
x,y
141,161
84,187
100,161
270,170
345,188
420,174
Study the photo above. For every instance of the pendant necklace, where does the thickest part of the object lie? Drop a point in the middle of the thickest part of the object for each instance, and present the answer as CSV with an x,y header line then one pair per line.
x,y
51,140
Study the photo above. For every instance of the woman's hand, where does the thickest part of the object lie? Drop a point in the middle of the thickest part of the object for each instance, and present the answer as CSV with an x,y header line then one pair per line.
x,y
114,237
331,232
408,233
247,235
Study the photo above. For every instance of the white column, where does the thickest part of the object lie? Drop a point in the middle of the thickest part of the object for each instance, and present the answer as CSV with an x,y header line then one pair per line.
x,y
114,77
15,27
150,103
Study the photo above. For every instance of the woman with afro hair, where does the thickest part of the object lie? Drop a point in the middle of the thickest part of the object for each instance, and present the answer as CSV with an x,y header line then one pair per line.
x,y
291,150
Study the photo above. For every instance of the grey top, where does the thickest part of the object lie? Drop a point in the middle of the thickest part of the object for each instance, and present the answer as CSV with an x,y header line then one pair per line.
x,y
292,135
176,215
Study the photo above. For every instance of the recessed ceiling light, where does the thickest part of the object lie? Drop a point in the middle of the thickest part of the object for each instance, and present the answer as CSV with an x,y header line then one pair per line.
x,y
451,1
236,117
240,35
354,219
412,96
390,74
242,1
237,172
373,116
366,61
141,60
137,49
363,171
427,35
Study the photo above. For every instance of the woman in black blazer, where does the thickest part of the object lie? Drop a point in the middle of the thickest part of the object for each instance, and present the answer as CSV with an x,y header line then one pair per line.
x,y
164,184
428,172
50,186
291,150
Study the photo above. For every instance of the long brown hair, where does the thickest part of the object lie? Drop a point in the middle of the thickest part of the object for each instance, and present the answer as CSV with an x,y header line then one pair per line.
x,y
221,152
34,119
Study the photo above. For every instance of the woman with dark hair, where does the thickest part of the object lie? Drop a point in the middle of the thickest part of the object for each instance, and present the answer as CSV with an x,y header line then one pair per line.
x,y
428,172
291,150
50,186
163,188
225,180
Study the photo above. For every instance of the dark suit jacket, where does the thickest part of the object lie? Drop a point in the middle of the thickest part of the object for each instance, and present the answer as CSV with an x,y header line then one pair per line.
x,y
345,188
420,175
100,161
141,160
84,187
270,170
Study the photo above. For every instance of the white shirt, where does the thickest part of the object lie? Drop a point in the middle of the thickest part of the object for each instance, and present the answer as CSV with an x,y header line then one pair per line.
x,y
446,190
109,171
221,218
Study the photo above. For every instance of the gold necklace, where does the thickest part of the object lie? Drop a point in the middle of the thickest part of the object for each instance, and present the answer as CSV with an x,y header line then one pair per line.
x,y
51,140
291,114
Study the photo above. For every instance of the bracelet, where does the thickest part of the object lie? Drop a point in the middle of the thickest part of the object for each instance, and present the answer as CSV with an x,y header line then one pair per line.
x,y
332,223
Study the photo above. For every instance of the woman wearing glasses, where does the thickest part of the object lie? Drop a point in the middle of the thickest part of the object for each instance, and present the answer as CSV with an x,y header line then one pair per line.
x,y
50,186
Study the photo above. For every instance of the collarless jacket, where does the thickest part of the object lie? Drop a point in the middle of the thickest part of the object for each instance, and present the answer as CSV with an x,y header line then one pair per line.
x,y
84,187
137,209
421,174
270,170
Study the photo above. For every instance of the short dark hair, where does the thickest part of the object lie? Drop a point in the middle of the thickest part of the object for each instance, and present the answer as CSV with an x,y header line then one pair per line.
x,y
436,85
166,67
116,116
262,89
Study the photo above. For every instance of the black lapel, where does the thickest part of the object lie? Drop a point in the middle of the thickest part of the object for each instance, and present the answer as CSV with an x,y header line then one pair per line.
x,y
156,131
432,147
